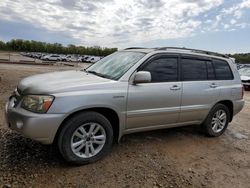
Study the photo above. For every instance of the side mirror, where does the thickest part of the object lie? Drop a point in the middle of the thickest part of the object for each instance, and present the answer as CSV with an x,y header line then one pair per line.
x,y
142,77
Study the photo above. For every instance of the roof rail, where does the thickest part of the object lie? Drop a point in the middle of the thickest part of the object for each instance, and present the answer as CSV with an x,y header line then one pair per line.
x,y
195,51
134,48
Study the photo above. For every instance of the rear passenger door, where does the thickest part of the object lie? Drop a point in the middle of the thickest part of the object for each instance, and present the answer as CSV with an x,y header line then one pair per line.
x,y
200,88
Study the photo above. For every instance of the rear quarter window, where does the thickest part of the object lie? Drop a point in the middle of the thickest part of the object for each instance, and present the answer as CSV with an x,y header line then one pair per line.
x,y
222,70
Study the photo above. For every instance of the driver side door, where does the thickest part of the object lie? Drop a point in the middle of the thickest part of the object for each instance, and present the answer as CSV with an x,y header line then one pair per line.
x,y
156,103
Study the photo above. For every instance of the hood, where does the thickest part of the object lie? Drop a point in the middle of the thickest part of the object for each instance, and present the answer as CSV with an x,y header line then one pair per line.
x,y
57,82
245,78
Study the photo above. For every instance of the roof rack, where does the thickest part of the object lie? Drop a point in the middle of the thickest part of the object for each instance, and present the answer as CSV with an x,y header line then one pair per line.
x,y
130,48
194,50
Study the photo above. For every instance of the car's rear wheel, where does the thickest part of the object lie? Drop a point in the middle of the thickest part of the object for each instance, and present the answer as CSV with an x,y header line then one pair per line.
x,y
85,138
217,120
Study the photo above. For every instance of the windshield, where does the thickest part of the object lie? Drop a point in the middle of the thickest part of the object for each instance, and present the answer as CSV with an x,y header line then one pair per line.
x,y
244,71
115,65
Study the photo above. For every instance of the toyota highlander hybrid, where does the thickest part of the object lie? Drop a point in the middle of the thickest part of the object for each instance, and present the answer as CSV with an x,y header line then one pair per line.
x,y
137,89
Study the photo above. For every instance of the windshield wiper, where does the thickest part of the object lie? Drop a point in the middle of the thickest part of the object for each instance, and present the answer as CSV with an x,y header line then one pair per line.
x,y
98,74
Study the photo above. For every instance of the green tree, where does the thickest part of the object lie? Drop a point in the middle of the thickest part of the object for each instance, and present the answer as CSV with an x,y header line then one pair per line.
x,y
36,46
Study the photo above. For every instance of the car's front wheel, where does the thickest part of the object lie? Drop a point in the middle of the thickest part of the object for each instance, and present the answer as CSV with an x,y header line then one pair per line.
x,y
85,138
217,120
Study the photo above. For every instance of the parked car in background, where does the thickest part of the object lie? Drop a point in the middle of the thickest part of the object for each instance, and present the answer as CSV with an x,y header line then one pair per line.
x,y
70,58
94,59
81,58
51,57
132,90
245,77
86,58
62,57
239,66
37,55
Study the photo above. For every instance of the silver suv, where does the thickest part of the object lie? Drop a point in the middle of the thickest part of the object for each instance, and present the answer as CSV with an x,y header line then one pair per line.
x,y
132,90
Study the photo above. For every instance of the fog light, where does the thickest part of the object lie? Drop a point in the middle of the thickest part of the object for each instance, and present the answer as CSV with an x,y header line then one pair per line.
x,y
19,124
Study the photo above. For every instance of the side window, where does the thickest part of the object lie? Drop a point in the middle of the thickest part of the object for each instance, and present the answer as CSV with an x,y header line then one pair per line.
x,y
210,71
164,69
222,70
193,69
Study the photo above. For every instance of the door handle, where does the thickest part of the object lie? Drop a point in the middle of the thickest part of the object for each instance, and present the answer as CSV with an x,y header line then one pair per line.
x,y
175,87
213,85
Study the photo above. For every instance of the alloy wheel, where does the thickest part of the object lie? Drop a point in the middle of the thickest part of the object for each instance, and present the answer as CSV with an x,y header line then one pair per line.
x,y
219,121
88,140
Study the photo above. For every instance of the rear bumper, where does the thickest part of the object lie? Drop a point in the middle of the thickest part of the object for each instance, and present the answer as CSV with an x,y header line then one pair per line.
x,y
246,83
39,127
238,106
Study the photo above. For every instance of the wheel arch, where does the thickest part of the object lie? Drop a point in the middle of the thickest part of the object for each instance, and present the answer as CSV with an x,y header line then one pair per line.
x,y
229,105
109,113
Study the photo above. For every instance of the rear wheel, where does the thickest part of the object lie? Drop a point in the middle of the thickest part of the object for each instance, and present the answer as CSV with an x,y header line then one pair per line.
x,y
217,120
85,138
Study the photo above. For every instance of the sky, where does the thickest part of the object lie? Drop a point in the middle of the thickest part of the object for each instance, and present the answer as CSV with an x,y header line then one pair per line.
x,y
216,25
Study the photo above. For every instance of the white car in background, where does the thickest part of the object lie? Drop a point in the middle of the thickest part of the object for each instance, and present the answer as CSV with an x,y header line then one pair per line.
x,y
51,57
86,58
81,58
94,59
71,58
245,77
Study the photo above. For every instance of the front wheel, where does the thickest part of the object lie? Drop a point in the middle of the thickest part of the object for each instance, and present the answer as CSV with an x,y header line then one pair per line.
x,y
85,138
217,120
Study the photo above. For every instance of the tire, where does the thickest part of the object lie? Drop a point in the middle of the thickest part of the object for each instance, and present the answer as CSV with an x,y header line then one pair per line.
x,y
210,125
69,133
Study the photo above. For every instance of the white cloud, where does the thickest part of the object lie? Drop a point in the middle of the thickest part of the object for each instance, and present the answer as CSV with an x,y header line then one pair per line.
x,y
233,21
226,26
230,17
245,4
120,23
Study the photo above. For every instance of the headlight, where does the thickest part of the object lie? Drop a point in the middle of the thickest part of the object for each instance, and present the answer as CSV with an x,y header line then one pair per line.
x,y
37,103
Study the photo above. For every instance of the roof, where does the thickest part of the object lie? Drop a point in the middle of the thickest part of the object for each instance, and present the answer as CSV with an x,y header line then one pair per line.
x,y
178,50
139,49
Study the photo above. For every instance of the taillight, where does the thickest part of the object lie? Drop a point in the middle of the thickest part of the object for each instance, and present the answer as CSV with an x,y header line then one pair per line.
x,y
242,92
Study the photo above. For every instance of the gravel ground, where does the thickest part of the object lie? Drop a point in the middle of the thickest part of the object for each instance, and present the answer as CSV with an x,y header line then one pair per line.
x,y
179,157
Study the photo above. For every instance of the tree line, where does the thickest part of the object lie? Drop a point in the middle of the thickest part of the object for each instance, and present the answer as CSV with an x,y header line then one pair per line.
x,y
241,57
36,46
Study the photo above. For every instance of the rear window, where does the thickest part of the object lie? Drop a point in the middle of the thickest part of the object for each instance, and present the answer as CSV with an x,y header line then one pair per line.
x,y
222,70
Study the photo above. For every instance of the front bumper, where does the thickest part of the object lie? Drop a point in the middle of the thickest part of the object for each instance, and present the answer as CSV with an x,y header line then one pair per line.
x,y
39,127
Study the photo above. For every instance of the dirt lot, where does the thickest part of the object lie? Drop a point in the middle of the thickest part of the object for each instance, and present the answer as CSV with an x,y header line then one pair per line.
x,y
179,157
14,57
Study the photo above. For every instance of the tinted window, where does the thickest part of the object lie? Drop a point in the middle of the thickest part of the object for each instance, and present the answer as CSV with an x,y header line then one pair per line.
x,y
222,70
163,69
210,71
193,69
